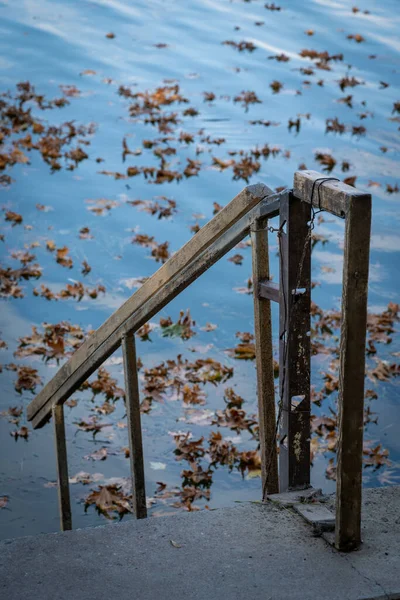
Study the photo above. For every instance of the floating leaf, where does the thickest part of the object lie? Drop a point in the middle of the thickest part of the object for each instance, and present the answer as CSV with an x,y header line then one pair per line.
x,y
23,432
15,218
109,499
92,425
241,46
276,86
100,454
27,377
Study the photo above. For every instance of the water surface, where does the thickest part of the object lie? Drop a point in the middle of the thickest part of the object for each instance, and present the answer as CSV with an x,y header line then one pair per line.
x,y
58,43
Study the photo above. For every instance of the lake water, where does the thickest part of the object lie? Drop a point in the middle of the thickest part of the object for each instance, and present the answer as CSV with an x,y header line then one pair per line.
x,y
158,43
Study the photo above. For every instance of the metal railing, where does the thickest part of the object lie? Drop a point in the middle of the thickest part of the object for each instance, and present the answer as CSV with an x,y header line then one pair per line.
x,y
289,430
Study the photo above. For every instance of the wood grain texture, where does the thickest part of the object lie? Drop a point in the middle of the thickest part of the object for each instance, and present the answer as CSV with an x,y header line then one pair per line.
x,y
269,209
264,364
294,344
142,310
62,468
334,196
352,374
132,402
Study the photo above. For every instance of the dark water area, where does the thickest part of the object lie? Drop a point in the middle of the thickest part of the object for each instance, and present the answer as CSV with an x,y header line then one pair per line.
x,y
158,43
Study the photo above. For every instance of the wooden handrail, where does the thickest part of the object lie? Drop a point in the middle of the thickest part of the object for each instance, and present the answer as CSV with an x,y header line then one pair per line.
x,y
249,212
213,240
333,196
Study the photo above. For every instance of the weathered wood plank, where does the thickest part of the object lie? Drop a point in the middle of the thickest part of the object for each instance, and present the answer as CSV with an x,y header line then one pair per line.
x,y
334,195
269,210
132,402
352,373
241,205
62,468
269,290
294,344
145,310
264,364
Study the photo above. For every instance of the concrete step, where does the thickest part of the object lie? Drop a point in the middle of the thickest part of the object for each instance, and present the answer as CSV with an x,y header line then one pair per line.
x,y
250,551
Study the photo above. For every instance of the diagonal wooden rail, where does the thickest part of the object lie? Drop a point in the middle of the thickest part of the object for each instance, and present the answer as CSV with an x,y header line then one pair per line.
x,y
249,212
214,240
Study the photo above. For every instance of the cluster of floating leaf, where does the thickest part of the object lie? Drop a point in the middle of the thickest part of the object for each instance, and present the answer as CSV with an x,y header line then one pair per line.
x,y
22,132
183,380
149,107
11,276
190,382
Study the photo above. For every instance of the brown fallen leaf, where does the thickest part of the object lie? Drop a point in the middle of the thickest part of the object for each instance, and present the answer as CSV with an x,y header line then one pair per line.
x,y
245,290
109,499
247,98
13,217
23,432
327,160
276,86
335,126
27,377
3,501
348,82
92,425
104,384
162,208
193,394
84,234
356,37
71,402
209,327
188,449
100,454
236,259
241,46
245,350
54,342
350,181
85,478
159,252
221,450
62,257
86,268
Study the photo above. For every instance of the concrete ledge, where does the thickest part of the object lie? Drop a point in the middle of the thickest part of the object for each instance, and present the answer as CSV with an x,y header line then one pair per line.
x,y
317,515
252,551
289,499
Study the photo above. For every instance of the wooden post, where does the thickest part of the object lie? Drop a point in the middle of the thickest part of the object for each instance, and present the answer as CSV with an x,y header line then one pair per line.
x,y
132,401
62,468
264,363
294,343
352,373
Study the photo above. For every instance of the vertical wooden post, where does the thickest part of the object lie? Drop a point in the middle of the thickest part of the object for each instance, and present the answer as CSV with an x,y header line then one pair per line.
x,y
62,467
294,343
264,363
352,373
132,401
